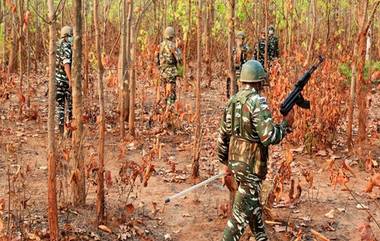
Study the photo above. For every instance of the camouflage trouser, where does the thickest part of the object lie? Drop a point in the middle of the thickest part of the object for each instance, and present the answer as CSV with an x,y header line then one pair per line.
x,y
247,208
63,93
170,90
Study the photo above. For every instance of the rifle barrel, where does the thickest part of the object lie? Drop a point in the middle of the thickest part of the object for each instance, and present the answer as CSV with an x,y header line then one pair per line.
x,y
211,179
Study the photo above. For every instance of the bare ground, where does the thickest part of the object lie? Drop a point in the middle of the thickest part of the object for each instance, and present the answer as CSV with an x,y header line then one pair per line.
x,y
198,216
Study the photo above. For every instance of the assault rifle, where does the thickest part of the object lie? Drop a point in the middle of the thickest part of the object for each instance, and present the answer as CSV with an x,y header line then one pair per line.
x,y
295,97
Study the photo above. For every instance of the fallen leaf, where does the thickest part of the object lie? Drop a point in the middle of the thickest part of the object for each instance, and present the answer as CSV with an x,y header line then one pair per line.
x,y
374,181
330,214
105,228
129,208
361,206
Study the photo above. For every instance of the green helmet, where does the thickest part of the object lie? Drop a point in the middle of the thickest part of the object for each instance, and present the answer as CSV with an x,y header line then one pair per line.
x,y
169,33
66,31
240,35
252,71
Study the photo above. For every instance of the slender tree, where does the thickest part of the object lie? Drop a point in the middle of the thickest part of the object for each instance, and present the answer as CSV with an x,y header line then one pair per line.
x,y
312,34
132,75
231,44
100,200
13,51
123,68
78,178
52,181
4,35
197,141
20,52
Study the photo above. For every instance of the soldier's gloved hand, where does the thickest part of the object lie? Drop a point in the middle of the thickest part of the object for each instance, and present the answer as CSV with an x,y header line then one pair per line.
x,y
289,118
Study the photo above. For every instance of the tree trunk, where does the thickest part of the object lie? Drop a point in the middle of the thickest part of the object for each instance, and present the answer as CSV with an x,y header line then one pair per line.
x,y
100,199
311,43
231,43
4,37
78,177
127,82
28,50
132,80
197,141
266,35
52,182
122,67
210,6
86,49
13,51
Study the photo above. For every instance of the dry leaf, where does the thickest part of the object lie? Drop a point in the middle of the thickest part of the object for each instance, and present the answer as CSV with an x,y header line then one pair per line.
x,y
330,214
105,228
373,182
365,232
129,208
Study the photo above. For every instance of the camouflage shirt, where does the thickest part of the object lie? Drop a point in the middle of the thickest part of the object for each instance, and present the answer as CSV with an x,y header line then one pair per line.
x,y
247,130
169,57
273,50
239,60
63,56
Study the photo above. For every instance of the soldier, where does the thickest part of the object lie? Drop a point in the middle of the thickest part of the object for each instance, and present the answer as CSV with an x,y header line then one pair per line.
x,y
273,49
63,76
260,49
240,53
246,132
169,59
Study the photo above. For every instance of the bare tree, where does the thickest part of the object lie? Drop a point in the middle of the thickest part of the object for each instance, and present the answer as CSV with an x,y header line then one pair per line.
x,y
13,51
208,33
123,68
52,172
132,75
311,43
77,176
20,52
231,43
100,202
197,141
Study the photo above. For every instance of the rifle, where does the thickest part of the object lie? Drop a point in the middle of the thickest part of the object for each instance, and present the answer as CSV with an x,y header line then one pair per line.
x,y
295,97
211,179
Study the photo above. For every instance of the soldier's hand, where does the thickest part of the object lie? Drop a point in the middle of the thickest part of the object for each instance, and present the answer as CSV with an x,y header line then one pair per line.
x,y
289,118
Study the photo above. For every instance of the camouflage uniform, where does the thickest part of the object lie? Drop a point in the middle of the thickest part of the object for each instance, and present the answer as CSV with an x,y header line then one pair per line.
x,y
169,57
273,49
260,51
240,60
245,133
63,56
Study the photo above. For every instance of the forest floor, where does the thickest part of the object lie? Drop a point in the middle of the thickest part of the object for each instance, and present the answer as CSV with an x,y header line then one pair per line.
x,y
331,211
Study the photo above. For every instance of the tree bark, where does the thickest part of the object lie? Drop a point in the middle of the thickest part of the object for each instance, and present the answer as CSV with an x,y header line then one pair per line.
x,y
86,49
132,85
123,69
100,199
231,43
311,43
77,176
197,141
210,6
13,51
5,22
266,35
52,182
